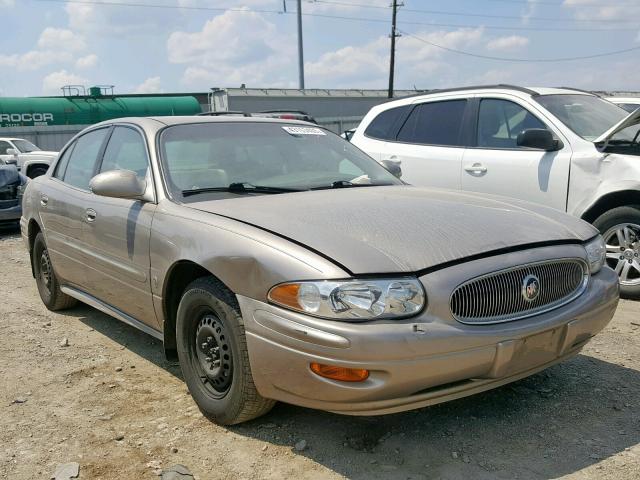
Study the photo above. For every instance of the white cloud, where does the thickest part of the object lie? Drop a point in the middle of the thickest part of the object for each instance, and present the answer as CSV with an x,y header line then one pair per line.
x,y
34,59
234,48
88,61
368,65
530,10
150,85
7,3
52,83
61,39
512,42
598,10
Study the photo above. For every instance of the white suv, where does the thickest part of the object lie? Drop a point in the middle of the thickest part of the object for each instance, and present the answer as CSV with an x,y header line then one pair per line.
x,y
29,159
565,148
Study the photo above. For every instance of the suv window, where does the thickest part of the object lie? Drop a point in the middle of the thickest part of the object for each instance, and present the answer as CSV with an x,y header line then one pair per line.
x,y
4,146
435,123
381,127
500,122
82,161
125,151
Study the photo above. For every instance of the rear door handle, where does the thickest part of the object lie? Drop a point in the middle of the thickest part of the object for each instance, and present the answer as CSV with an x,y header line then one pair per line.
x,y
91,215
476,168
44,200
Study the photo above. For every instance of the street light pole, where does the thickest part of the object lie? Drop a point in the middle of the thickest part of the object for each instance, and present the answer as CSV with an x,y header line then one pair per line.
x,y
300,47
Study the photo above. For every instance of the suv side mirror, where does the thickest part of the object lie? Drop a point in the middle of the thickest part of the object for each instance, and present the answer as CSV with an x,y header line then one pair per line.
x,y
118,184
539,138
392,167
12,151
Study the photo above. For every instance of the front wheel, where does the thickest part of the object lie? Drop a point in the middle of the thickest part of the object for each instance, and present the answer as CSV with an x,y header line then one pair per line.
x,y
213,355
620,228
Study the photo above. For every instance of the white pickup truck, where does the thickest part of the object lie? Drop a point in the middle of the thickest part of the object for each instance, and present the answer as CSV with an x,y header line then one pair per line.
x,y
28,158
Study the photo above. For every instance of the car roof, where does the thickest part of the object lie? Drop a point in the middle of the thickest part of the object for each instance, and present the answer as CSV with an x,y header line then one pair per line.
x,y
151,122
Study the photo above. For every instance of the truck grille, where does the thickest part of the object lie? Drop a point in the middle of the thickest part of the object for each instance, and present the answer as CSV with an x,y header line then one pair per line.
x,y
501,296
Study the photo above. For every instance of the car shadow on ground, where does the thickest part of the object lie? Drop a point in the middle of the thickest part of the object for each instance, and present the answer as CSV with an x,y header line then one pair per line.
x,y
8,230
554,423
136,341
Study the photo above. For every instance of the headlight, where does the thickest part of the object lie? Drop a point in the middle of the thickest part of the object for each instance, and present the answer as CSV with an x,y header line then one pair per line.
x,y
352,299
596,253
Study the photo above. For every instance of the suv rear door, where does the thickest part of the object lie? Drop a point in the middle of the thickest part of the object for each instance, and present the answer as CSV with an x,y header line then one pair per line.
x,y
430,143
495,164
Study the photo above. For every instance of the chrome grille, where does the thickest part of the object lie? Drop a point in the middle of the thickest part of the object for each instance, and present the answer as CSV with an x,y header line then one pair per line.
x,y
498,296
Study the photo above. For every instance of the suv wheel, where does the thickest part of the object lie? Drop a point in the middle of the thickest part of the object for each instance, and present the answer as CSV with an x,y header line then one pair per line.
x,y
46,280
620,228
213,355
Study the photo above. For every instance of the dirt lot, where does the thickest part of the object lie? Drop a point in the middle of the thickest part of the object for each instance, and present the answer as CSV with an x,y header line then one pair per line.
x,y
110,402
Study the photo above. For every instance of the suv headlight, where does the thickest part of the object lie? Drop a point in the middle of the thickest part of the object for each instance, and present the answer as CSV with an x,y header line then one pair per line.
x,y
596,253
352,299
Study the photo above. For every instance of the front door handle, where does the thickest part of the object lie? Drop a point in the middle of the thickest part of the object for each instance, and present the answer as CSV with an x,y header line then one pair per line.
x,y
44,200
476,168
91,215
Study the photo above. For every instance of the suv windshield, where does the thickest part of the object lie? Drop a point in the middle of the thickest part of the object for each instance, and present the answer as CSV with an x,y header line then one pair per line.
x,y
256,157
586,115
25,147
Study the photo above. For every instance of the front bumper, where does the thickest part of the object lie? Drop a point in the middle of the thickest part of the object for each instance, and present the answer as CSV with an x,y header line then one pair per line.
x,y
418,361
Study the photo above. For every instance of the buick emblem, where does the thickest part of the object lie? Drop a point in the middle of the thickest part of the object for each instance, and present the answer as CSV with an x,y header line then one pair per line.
x,y
530,288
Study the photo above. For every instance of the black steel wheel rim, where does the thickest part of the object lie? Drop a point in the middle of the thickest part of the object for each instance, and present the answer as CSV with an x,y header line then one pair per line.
x,y
45,270
214,359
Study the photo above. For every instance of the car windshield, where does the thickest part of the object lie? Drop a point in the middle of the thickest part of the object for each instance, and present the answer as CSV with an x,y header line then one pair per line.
x,y
242,157
586,115
25,147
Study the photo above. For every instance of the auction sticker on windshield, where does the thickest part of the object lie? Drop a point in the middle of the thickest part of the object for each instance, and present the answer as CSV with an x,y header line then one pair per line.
x,y
303,130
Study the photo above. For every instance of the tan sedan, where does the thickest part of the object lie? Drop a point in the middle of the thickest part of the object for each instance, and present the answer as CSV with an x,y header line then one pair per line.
x,y
279,262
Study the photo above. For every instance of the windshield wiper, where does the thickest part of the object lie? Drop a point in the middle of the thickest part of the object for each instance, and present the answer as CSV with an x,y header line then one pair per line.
x,y
348,184
239,187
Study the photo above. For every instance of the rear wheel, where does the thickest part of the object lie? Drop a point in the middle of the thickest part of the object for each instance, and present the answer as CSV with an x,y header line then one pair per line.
x,y
213,354
46,280
620,228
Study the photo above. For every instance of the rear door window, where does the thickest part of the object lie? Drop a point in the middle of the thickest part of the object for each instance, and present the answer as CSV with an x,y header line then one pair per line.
x,y
83,158
435,123
383,126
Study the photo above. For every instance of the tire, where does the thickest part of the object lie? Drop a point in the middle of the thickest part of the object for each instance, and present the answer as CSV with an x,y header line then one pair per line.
x,y
46,280
623,256
212,350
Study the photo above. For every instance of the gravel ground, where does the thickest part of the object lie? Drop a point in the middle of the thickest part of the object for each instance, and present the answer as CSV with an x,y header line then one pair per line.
x,y
82,387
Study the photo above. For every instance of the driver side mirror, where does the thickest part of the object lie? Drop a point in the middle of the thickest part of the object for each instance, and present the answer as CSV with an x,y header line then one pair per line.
x,y
118,184
393,167
539,138
12,151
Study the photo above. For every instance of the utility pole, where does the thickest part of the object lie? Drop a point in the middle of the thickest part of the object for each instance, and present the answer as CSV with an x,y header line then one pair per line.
x,y
392,59
300,47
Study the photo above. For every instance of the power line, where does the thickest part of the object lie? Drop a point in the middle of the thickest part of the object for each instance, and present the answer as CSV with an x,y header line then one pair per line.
x,y
522,60
339,17
561,4
475,15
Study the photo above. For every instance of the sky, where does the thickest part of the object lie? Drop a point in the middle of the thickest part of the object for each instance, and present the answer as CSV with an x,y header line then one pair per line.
x,y
142,46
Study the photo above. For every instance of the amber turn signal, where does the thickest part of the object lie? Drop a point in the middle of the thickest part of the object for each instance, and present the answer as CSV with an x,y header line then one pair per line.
x,y
340,373
286,294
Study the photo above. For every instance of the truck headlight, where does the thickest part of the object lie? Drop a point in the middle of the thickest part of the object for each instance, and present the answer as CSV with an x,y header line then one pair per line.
x,y
596,253
365,299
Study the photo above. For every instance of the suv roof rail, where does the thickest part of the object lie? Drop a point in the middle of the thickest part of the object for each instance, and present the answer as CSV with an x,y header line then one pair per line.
x,y
230,112
580,90
533,93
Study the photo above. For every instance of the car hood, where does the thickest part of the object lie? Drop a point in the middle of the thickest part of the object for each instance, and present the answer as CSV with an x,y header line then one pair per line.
x,y
629,121
400,229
